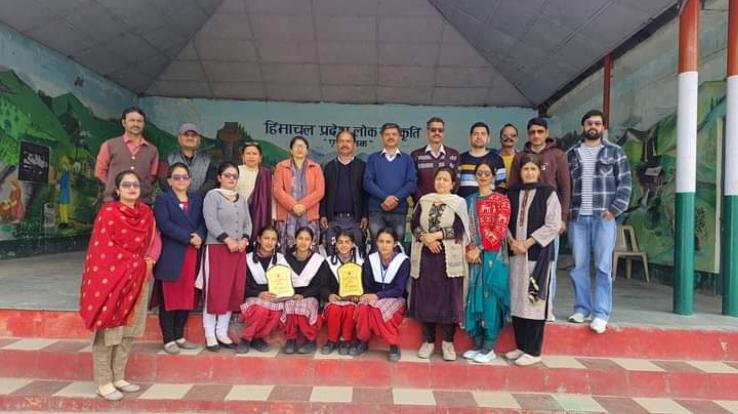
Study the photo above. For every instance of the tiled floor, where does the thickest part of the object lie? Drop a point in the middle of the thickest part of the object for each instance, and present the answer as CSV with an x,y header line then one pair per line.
x,y
158,394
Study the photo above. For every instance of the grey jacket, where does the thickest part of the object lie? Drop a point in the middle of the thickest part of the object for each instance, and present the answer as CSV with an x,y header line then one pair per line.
x,y
225,218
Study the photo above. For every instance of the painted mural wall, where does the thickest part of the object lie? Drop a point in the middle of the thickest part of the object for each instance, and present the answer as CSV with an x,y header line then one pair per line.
x,y
275,123
54,115
643,122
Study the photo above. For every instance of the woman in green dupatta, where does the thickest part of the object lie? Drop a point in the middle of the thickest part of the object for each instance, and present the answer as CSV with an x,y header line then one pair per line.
x,y
488,298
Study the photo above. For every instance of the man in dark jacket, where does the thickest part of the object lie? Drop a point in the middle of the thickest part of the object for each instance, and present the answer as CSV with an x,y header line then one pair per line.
x,y
344,206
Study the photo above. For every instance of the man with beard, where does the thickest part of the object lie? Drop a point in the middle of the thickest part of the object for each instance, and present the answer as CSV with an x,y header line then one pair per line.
x,y
203,174
507,151
432,157
479,153
129,152
343,207
554,173
600,174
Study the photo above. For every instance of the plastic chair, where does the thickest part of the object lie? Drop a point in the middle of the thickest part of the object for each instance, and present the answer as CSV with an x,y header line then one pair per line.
x,y
626,246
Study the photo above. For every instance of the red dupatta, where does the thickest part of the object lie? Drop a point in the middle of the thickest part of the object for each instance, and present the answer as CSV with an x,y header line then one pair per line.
x,y
115,268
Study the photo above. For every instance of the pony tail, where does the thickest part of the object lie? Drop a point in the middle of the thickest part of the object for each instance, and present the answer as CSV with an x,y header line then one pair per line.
x,y
274,257
398,247
255,252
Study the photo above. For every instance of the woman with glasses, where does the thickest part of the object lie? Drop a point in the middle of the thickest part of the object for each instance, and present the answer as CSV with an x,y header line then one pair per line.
x,y
224,264
114,295
488,298
298,188
179,218
255,186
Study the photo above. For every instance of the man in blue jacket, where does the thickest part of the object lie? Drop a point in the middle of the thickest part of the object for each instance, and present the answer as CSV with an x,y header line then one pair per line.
x,y
389,179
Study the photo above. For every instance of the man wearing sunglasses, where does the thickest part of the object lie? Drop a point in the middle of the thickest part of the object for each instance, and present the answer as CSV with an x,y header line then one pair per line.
x,y
432,157
202,171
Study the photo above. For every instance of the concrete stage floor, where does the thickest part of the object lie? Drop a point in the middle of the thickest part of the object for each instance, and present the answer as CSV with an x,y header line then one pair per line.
x,y
51,282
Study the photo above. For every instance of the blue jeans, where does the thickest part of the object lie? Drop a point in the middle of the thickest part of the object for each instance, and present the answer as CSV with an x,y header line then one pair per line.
x,y
379,220
587,235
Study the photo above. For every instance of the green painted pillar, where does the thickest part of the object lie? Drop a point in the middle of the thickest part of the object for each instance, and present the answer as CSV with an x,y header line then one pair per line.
x,y
729,252
686,162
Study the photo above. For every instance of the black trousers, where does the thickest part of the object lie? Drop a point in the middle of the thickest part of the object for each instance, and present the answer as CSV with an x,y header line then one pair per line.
x,y
429,331
529,335
172,323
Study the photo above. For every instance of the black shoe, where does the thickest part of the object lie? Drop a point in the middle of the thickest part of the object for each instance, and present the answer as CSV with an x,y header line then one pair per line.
x,y
213,348
242,347
259,345
227,346
360,348
344,347
394,353
328,348
290,346
307,348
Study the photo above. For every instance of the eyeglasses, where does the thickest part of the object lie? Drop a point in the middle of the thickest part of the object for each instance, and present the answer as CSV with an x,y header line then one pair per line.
x,y
483,173
179,177
435,129
230,176
130,184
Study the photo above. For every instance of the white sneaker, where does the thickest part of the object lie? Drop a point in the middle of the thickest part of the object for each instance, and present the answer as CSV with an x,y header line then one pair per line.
x,y
426,350
526,360
470,354
513,355
578,318
482,358
598,325
449,353
551,318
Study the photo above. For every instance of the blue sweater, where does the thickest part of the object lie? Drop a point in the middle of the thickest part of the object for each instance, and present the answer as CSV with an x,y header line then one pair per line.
x,y
383,178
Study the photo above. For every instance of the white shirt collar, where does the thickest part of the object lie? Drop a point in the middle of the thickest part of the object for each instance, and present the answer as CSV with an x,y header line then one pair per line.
x,y
441,150
345,163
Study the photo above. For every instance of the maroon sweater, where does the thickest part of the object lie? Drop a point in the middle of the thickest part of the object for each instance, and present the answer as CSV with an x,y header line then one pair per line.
x,y
554,172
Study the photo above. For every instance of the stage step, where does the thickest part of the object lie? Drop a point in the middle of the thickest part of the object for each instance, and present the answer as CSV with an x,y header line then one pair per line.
x,y
561,338
53,359
20,394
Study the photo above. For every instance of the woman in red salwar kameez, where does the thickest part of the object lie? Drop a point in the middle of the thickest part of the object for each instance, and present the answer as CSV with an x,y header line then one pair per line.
x,y
116,283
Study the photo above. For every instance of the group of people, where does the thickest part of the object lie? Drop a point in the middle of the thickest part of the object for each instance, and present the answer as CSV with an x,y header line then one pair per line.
x,y
485,227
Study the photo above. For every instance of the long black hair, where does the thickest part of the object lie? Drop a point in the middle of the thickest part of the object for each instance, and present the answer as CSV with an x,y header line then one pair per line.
x,y
307,230
256,244
343,233
390,232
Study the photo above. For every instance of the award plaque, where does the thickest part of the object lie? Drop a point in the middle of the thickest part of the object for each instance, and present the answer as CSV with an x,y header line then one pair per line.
x,y
279,278
349,280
